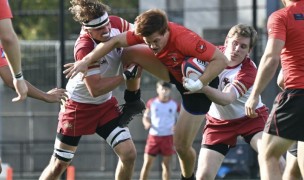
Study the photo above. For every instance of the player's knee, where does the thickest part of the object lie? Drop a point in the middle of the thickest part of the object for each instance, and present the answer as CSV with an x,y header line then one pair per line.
x,y
128,157
59,167
181,149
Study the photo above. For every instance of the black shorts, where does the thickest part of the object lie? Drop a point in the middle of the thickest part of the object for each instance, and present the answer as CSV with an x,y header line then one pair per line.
x,y
287,116
197,103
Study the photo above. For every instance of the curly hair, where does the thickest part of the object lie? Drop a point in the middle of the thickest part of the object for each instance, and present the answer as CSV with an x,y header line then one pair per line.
x,y
87,10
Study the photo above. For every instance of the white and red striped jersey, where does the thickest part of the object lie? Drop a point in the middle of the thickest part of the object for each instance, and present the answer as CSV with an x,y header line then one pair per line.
x,y
163,116
241,77
107,66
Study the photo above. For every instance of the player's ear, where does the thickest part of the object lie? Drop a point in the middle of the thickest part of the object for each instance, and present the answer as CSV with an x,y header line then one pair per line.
x,y
226,41
249,51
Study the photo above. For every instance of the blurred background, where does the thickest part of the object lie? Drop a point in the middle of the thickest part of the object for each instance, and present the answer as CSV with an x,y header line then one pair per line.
x,y
47,34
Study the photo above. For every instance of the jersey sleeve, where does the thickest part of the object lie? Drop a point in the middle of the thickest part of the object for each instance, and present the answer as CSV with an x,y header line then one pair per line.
x,y
121,24
133,39
276,26
84,46
5,11
193,45
149,102
245,77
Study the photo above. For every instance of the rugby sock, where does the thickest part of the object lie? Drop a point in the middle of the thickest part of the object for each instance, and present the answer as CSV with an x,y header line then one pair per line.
x,y
131,96
189,178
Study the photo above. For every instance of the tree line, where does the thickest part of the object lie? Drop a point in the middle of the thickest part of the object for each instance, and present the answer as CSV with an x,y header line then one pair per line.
x,y
39,19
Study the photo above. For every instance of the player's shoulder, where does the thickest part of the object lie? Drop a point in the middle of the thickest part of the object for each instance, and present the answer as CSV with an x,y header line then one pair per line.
x,y
177,29
248,62
84,40
280,13
120,23
248,67
151,100
115,19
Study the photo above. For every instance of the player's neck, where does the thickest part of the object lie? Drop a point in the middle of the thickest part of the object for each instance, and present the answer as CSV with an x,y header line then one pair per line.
x,y
164,99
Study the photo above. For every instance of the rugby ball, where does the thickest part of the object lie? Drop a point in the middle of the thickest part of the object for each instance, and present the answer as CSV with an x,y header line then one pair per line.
x,y
193,68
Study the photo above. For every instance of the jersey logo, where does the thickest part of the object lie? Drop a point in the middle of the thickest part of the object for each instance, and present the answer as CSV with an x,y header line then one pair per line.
x,y
173,56
119,50
2,54
103,61
298,16
226,81
68,125
201,47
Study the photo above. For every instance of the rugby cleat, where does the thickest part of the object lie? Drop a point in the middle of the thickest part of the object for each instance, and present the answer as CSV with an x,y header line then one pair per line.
x,y
129,110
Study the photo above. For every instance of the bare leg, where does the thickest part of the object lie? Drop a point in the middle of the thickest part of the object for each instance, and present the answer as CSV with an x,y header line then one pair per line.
x,y
166,174
186,129
209,162
56,167
301,156
127,154
148,162
143,56
256,142
292,171
272,148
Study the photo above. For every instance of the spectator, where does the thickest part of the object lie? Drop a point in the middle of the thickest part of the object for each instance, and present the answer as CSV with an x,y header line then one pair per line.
x,y
159,118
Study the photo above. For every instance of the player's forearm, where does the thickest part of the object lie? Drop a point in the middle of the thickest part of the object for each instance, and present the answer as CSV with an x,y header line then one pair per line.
x,y
217,96
12,53
35,93
104,85
102,49
146,122
214,68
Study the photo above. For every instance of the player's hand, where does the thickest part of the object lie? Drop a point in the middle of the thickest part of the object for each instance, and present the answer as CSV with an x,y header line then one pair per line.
x,y
21,90
56,95
72,69
250,106
131,72
192,85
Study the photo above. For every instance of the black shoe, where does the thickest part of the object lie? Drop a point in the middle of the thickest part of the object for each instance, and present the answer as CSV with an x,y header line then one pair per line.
x,y
129,110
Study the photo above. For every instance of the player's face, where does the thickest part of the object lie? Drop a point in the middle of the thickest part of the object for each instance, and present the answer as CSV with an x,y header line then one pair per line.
x,y
237,48
156,41
101,34
163,92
